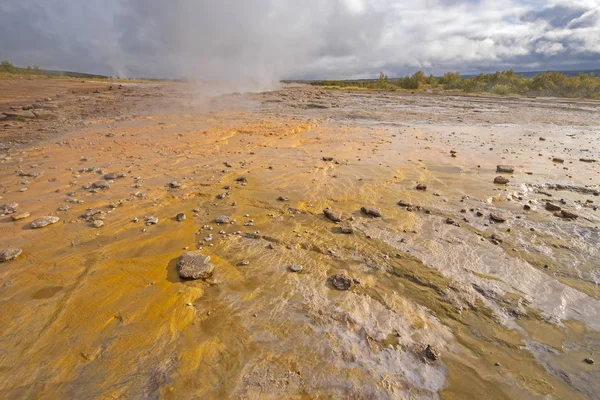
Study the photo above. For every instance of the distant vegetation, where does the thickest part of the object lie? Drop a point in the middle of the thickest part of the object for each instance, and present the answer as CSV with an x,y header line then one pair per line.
x,y
504,83
8,68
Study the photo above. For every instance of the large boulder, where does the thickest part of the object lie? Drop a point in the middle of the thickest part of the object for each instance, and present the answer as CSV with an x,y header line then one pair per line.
x,y
193,266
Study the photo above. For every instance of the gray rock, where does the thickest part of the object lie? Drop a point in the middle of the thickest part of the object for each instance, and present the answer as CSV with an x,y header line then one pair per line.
x,y
295,268
283,198
194,266
23,215
222,219
44,221
151,221
333,215
114,175
373,212
101,185
346,230
497,217
89,214
98,223
9,254
500,180
9,208
421,187
180,217
589,361
174,185
505,169
341,281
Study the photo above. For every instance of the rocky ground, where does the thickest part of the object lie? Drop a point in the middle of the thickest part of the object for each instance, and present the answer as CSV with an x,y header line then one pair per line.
x,y
158,241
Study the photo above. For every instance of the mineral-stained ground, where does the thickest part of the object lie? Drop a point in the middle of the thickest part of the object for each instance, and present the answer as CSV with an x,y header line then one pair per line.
x,y
427,276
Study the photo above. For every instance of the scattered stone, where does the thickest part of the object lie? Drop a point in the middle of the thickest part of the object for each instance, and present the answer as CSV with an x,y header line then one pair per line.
x,y
114,175
245,263
194,266
151,221
98,223
527,207
91,213
174,185
346,230
44,221
341,281
9,254
295,268
568,214
450,221
431,353
421,187
180,217
552,207
283,198
588,160
101,185
222,219
505,169
23,215
9,208
500,180
373,212
403,203
558,160
589,361
497,217
335,216
328,159
242,179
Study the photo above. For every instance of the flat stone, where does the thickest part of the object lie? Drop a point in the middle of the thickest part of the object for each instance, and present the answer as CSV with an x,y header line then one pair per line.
x,y
341,281
373,212
101,185
346,230
558,160
497,217
114,175
194,266
44,221
91,213
334,215
19,114
151,221
500,180
295,268
9,254
505,169
552,207
23,215
328,159
588,160
44,114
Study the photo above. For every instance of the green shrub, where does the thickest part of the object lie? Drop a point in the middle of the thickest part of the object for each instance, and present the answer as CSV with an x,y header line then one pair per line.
x,y
501,90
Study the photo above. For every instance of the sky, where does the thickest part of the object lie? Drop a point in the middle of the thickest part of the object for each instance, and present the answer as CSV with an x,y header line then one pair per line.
x,y
301,39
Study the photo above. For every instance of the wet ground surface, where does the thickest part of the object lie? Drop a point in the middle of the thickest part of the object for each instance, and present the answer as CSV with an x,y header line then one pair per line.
x,y
462,288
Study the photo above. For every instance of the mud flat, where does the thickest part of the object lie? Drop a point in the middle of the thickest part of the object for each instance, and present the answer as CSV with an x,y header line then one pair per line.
x,y
185,251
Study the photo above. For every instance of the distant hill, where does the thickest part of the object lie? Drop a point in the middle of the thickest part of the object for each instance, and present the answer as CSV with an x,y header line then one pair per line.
x,y
531,74
7,67
71,74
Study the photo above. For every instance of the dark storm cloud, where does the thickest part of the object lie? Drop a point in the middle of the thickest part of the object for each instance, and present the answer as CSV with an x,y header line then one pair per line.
x,y
262,40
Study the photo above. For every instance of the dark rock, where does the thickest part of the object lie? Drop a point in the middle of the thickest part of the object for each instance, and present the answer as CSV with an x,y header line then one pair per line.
x,y
9,254
558,160
505,169
568,214
180,217
333,215
552,207
283,198
403,203
431,353
44,221
589,361
373,212
588,160
242,179
526,207
421,187
193,266
341,281
174,185
346,230
327,158
500,180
